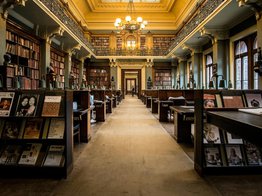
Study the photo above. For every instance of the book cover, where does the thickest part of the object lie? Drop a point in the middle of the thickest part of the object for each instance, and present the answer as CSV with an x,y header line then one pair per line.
x,y
51,106
253,154
27,105
11,154
253,100
233,102
233,138
46,128
234,155
2,123
218,101
11,129
56,129
32,128
54,156
212,156
209,101
30,154
211,134
6,102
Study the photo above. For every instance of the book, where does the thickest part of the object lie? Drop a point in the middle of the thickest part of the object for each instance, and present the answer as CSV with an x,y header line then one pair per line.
x,y
33,128
51,106
11,129
212,156
54,156
256,111
30,154
46,128
27,105
11,154
6,102
253,154
234,155
233,138
253,99
233,102
2,123
218,100
211,134
209,101
56,129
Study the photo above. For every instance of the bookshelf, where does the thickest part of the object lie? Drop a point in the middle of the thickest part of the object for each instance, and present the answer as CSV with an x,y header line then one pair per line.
x,y
222,143
143,43
24,51
101,44
163,79
33,137
161,43
75,71
58,62
98,77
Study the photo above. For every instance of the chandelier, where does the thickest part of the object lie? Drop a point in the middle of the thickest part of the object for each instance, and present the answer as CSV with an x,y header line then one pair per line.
x,y
130,24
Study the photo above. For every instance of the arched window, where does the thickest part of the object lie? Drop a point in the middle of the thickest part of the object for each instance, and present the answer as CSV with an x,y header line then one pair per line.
x,y
131,42
245,57
241,62
209,67
255,56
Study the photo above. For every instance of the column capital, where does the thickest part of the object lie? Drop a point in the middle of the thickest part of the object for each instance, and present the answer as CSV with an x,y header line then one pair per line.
x,y
254,5
192,48
214,34
5,5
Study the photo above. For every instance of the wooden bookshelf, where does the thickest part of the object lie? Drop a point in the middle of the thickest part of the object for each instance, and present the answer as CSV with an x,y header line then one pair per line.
x,y
101,44
36,165
58,62
161,43
24,50
98,77
143,43
75,71
163,79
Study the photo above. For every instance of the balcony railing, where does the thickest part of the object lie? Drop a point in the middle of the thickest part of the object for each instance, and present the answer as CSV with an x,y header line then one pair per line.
x,y
127,52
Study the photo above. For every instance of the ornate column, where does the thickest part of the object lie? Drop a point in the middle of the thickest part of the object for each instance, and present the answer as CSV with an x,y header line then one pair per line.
x,y
113,74
149,70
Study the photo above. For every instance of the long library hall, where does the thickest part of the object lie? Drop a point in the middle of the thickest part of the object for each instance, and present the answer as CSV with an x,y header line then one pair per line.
x,y
130,97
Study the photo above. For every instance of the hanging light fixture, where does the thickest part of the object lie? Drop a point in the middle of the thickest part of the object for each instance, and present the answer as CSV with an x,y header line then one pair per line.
x,y
130,23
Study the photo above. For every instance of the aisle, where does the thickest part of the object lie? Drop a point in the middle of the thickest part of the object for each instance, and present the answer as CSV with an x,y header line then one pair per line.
x,y
131,154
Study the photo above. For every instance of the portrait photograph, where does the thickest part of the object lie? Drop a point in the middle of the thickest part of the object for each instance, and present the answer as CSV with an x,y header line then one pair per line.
x,y
213,157
27,105
234,155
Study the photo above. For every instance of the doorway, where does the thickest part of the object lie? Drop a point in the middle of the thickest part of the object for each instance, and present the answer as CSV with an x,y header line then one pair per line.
x,y
131,78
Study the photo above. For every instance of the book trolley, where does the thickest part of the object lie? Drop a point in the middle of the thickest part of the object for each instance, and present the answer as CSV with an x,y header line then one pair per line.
x,y
227,141
38,141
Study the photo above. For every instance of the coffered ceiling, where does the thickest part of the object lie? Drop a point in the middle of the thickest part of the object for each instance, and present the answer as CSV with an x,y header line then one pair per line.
x,y
162,15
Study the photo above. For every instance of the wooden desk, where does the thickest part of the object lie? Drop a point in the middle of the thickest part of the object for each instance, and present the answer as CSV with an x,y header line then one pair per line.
x,y
247,126
148,101
183,118
163,109
154,105
84,119
100,108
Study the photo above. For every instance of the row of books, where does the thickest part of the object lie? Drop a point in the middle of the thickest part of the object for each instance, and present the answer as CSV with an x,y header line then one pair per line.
x,y
232,155
32,128
32,154
234,101
28,104
58,64
10,36
21,51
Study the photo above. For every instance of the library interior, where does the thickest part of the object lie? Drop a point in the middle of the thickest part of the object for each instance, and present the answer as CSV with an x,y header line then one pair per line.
x,y
130,97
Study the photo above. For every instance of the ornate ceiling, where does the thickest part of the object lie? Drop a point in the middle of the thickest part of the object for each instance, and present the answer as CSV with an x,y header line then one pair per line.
x,y
162,15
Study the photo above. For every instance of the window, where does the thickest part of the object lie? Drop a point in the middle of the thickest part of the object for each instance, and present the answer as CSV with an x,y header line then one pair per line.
x,y
209,67
245,55
131,42
255,57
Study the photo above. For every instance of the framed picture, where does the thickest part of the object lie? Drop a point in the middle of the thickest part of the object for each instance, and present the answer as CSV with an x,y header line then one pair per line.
x,y
6,101
212,156
27,105
211,134
233,139
234,155
253,154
